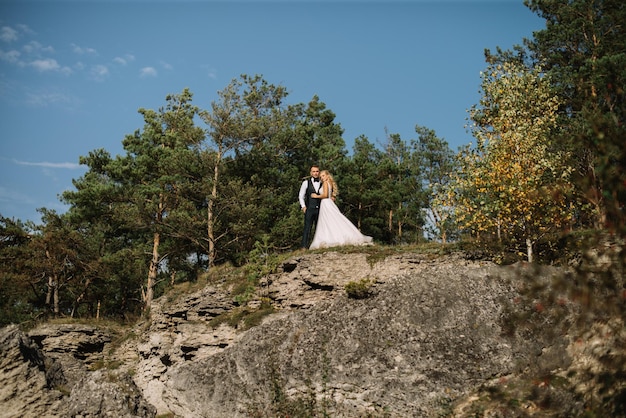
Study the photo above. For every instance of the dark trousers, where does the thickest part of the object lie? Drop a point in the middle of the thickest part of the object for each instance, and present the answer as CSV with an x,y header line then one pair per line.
x,y
310,219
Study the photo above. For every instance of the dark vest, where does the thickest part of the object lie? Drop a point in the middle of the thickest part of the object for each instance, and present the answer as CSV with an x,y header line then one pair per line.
x,y
308,200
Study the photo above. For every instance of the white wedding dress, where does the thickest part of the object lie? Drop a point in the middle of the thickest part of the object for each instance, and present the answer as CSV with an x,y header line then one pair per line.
x,y
334,229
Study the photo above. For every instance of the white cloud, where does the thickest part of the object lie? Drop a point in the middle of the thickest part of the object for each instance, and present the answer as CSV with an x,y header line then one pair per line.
x,y
54,98
34,55
25,29
124,60
47,64
148,72
167,65
99,72
12,56
82,50
35,48
8,34
46,164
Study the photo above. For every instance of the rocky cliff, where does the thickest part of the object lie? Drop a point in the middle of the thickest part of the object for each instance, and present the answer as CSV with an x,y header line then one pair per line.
x,y
431,337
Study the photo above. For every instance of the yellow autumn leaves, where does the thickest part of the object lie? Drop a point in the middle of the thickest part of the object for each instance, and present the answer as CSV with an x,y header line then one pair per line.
x,y
514,184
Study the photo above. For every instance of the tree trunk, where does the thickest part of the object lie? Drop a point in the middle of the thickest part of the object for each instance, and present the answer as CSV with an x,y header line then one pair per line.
x,y
154,262
399,223
438,220
210,221
153,271
50,284
56,296
210,232
80,297
52,295
594,196
499,229
49,291
529,250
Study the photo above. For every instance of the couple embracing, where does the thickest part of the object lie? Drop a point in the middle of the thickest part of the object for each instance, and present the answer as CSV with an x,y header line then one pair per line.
x,y
332,228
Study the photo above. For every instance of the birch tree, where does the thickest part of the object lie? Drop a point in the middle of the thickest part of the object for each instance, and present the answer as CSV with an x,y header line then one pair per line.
x,y
514,182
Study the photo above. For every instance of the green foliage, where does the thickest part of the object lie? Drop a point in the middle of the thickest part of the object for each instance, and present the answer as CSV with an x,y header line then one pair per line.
x,y
549,159
361,196
261,262
247,116
137,202
436,164
183,199
104,364
513,185
402,197
383,191
243,318
582,48
361,289
446,407
244,282
269,175
18,303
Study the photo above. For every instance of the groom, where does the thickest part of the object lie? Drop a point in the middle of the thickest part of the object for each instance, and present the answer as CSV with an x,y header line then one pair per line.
x,y
309,205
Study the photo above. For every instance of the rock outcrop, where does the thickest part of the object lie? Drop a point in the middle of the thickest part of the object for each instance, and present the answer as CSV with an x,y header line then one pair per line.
x,y
28,382
47,374
426,341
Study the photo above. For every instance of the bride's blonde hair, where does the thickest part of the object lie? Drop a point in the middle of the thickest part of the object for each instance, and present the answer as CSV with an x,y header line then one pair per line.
x,y
332,182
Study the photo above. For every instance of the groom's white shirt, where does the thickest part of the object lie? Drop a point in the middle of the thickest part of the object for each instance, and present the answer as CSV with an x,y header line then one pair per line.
x,y
305,185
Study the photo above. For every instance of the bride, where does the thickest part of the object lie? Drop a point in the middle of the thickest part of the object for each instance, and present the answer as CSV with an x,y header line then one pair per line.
x,y
333,228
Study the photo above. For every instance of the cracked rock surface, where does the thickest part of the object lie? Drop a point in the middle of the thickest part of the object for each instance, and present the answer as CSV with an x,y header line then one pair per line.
x,y
429,333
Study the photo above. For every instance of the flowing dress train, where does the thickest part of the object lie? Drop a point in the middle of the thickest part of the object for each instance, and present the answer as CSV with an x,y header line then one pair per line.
x,y
334,229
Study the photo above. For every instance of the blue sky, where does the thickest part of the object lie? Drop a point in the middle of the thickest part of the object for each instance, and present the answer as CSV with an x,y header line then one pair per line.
x,y
74,73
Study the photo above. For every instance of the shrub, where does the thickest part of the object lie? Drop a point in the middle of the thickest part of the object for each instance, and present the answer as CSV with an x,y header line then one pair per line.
x,y
361,289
